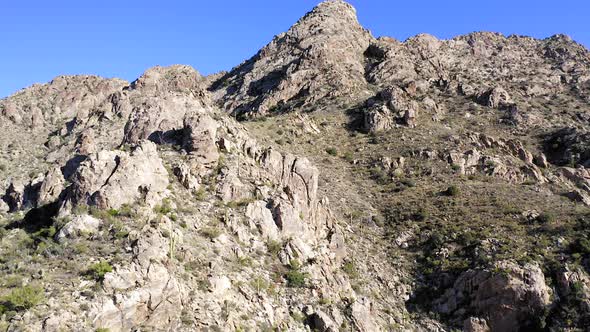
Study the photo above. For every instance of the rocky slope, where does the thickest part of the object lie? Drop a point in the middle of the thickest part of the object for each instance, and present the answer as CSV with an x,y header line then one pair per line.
x,y
425,185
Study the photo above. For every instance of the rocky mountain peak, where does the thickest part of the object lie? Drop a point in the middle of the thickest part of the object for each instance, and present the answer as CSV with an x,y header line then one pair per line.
x,y
327,13
321,55
424,185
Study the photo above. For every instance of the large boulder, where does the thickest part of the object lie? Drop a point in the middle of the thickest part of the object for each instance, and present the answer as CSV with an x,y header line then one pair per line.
x,y
199,138
143,293
82,225
159,101
509,297
109,179
51,187
494,97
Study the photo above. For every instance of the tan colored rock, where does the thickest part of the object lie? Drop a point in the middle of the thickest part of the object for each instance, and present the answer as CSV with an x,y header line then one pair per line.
x,y
109,179
144,293
507,300
321,56
262,217
79,226
199,138
378,119
494,98
362,316
52,187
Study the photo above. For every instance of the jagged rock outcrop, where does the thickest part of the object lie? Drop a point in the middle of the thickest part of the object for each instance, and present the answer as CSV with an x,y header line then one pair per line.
x,y
568,146
508,297
144,292
321,56
160,100
199,138
494,98
392,105
66,97
464,63
109,179
193,224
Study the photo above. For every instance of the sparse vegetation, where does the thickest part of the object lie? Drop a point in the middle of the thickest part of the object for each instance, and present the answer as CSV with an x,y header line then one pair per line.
x,y
332,151
22,298
295,277
99,270
453,191
274,247
211,232
164,208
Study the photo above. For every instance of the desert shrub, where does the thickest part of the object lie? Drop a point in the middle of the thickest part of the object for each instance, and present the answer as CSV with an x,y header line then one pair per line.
x,y
582,246
379,175
274,247
99,270
259,284
201,194
332,151
164,208
545,218
22,298
211,232
44,233
350,269
453,191
348,156
295,278
408,183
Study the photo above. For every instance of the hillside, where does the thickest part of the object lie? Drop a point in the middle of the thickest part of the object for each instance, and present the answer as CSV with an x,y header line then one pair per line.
x,y
335,181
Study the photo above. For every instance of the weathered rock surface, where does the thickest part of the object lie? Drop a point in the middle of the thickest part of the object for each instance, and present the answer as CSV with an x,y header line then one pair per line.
x,y
142,293
83,225
320,56
207,229
509,297
110,179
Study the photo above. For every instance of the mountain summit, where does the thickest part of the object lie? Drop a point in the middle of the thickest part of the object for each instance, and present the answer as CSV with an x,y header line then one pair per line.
x,y
320,56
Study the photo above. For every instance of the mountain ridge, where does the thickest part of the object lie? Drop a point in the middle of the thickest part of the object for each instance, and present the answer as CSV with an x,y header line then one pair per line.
x,y
333,181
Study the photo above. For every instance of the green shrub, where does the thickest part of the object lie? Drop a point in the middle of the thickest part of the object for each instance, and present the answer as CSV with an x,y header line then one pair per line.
x,y
546,218
23,298
164,208
295,278
348,156
332,151
113,212
99,270
274,247
453,191
408,183
44,233
350,269
201,194
379,175
211,232
582,245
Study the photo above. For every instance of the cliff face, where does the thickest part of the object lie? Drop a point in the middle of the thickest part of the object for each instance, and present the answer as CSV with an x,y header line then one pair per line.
x,y
372,185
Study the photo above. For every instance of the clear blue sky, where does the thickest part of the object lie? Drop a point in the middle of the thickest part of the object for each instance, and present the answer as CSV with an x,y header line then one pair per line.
x,y
42,39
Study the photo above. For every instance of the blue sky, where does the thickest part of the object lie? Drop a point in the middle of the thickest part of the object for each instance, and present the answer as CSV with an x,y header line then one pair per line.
x,y
42,39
